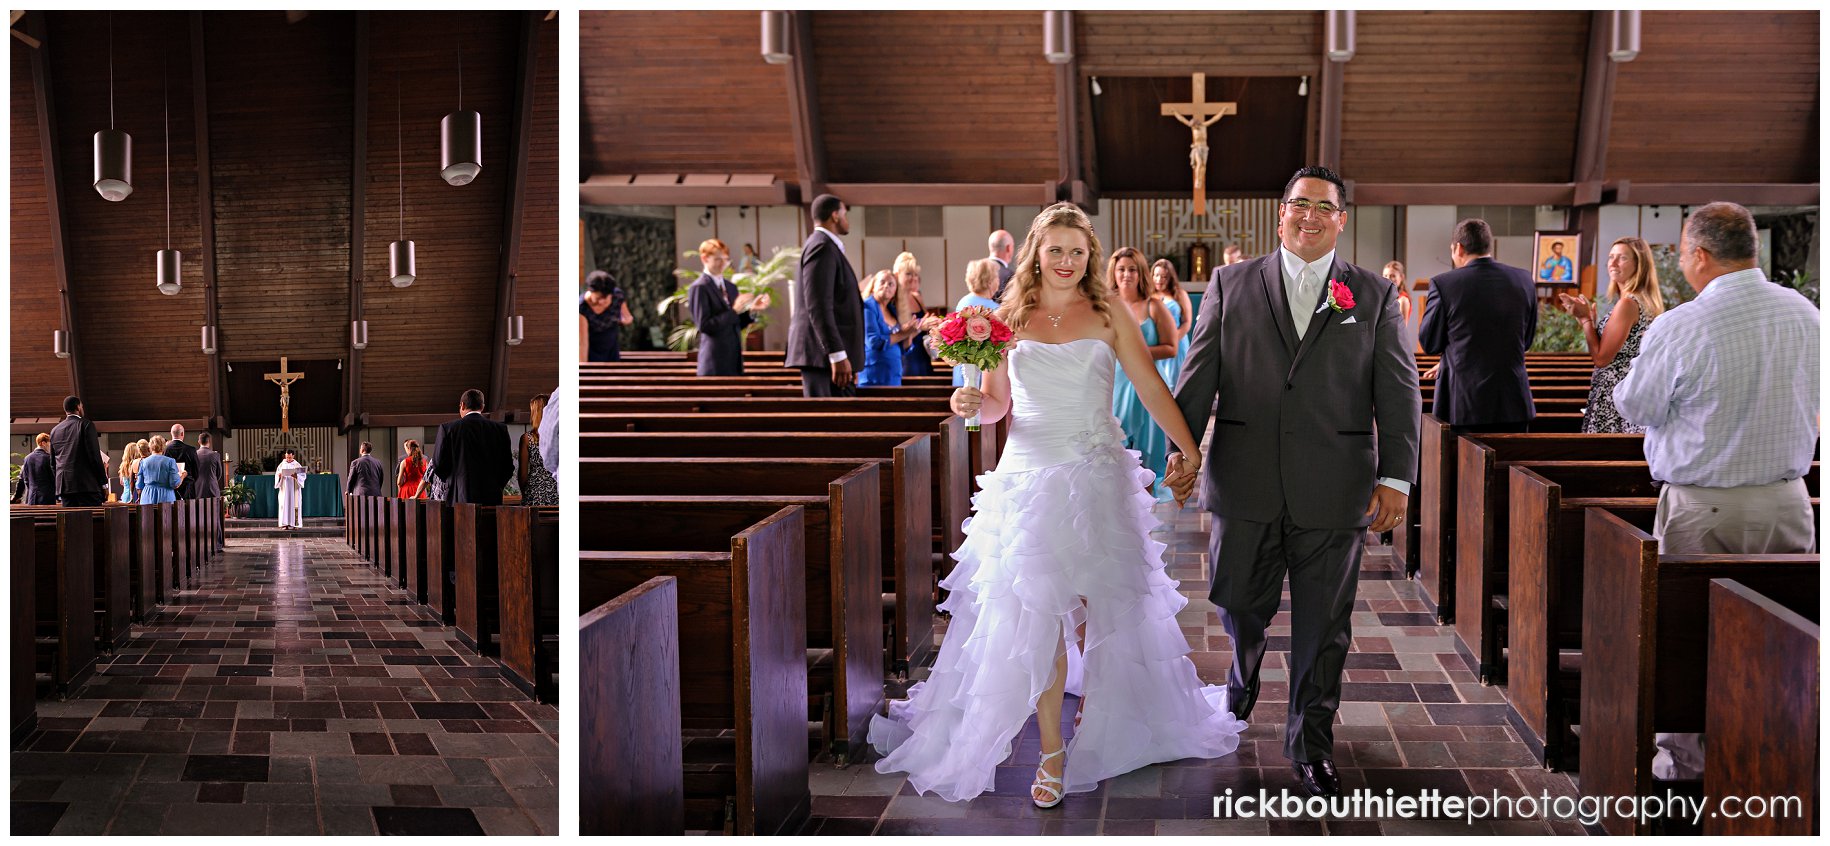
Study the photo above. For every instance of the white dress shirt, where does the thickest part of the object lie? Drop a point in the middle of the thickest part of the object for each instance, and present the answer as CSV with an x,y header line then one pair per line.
x,y
1304,288
1726,385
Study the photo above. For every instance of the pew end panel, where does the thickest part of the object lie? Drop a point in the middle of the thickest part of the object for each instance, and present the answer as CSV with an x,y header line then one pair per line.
x,y
1775,695
22,674
631,782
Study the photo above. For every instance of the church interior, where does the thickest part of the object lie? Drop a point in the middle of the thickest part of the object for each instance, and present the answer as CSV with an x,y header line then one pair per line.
x,y
288,231
1482,666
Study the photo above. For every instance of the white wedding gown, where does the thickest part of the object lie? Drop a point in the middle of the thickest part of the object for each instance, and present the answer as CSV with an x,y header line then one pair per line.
x,y
1063,516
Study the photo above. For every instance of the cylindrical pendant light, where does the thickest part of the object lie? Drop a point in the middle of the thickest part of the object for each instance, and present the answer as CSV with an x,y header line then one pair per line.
x,y
1623,42
170,261
359,334
775,38
460,137
60,343
1058,37
514,330
401,267
113,148
1338,34
209,340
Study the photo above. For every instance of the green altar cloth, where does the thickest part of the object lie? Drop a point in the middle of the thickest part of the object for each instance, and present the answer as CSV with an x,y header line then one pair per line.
x,y
323,496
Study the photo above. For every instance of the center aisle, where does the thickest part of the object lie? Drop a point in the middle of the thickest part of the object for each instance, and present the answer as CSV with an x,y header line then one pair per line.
x,y
295,692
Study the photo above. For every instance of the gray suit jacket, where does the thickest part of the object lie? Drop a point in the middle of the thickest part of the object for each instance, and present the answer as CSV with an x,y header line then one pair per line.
x,y
1306,427
367,477
208,473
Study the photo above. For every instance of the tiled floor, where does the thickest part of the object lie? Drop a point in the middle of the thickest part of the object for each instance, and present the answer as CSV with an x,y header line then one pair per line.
x,y
295,692
1413,718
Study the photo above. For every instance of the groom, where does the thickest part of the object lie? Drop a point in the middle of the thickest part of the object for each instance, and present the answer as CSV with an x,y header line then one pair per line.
x,y
1315,441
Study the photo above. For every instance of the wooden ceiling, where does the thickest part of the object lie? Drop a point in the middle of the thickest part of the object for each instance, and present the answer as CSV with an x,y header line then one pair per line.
x,y
283,193
961,107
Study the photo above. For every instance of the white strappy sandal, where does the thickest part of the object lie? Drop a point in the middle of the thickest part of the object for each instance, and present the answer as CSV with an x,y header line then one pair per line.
x,y
1044,780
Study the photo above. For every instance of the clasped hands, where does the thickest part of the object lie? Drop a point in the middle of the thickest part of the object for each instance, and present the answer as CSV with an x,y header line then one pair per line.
x,y
1184,469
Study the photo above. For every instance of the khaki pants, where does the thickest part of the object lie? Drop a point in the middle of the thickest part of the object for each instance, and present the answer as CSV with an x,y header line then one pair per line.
x,y
1750,520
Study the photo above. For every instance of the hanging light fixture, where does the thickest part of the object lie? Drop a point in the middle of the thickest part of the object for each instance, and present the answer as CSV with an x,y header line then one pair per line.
x,y
460,137
1338,34
775,38
1057,37
113,148
1623,42
209,340
170,261
60,343
359,334
401,266
514,330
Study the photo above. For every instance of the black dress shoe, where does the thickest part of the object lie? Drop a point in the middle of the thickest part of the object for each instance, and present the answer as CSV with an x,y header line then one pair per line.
x,y
1319,777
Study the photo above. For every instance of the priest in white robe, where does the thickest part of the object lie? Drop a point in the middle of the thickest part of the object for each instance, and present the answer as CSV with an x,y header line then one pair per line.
x,y
289,478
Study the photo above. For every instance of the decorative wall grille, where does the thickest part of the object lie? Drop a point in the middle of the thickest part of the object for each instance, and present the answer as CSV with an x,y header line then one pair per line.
x,y
315,444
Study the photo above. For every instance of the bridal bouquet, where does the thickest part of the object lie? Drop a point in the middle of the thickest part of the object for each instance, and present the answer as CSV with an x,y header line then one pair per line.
x,y
975,339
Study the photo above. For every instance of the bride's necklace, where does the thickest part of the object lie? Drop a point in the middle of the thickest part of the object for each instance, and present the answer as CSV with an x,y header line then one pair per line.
x,y
1054,319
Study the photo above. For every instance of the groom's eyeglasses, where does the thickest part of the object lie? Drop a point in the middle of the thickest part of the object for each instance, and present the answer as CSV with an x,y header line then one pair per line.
x,y
1304,206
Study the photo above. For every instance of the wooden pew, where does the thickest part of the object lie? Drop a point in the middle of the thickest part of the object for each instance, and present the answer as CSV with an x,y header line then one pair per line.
x,y
64,600
1645,646
743,671
156,549
413,549
181,545
475,603
1762,724
23,675
527,541
831,406
1480,523
842,570
631,782
441,555
591,392
112,569
906,510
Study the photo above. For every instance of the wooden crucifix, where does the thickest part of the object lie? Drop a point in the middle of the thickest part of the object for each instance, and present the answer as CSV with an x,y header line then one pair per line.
x,y
285,379
1198,115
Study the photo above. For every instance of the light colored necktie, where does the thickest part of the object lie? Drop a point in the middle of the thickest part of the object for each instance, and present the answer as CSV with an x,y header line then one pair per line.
x,y
1301,310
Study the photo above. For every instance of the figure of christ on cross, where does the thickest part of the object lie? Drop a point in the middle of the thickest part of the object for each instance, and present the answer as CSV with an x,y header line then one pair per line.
x,y
1198,115
285,379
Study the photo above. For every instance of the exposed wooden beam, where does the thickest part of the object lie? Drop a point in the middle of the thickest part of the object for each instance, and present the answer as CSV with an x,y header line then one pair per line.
x,y
358,201
402,421
804,110
1067,120
624,190
944,194
514,199
206,217
33,425
1698,193
47,140
1597,115
1461,193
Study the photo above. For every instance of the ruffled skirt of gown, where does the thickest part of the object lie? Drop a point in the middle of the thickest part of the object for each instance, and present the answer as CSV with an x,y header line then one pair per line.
x,y
1039,540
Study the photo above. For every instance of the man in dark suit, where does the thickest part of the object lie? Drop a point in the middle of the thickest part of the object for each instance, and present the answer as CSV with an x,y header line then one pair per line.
x,y
1002,248
826,333
720,313
367,476
1480,317
473,455
186,456
38,475
1315,442
209,477
76,448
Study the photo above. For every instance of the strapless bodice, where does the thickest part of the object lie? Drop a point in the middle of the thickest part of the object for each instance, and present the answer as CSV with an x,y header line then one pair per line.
x,y
1061,405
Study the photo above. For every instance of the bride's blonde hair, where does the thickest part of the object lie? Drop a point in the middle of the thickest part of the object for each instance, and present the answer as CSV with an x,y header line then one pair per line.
x,y
1026,278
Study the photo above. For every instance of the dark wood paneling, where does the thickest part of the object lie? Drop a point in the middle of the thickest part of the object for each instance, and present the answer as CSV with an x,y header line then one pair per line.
x,y
1718,96
680,92
1463,96
533,367
935,97
39,379
1251,153
1129,43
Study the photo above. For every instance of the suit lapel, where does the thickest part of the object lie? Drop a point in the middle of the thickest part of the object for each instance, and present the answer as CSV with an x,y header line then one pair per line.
x,y
1270,274
1321,320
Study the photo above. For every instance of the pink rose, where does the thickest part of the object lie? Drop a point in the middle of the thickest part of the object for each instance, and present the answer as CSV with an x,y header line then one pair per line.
x,y
953,330
978,329
1000,333
1341,295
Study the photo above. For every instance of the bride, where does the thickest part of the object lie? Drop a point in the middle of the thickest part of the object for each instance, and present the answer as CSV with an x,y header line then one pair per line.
x,y
1058,558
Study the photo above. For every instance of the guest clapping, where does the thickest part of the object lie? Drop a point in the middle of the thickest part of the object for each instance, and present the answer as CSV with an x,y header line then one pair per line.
x,y
884,335
720,313
1613,342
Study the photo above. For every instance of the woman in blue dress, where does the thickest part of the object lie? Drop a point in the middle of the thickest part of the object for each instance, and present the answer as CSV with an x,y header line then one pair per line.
x,y
129,454
915,358
981,281
159,475
883,336
1126,270
1169,290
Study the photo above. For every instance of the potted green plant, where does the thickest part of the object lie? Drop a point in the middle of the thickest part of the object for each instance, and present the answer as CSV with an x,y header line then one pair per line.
x,y
779,268
238,497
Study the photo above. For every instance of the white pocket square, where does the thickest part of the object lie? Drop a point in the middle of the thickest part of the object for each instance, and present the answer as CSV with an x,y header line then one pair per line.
x,y
1350,319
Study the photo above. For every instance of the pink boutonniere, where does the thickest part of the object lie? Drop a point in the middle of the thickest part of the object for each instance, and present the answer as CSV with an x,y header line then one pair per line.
x,y
1340,297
